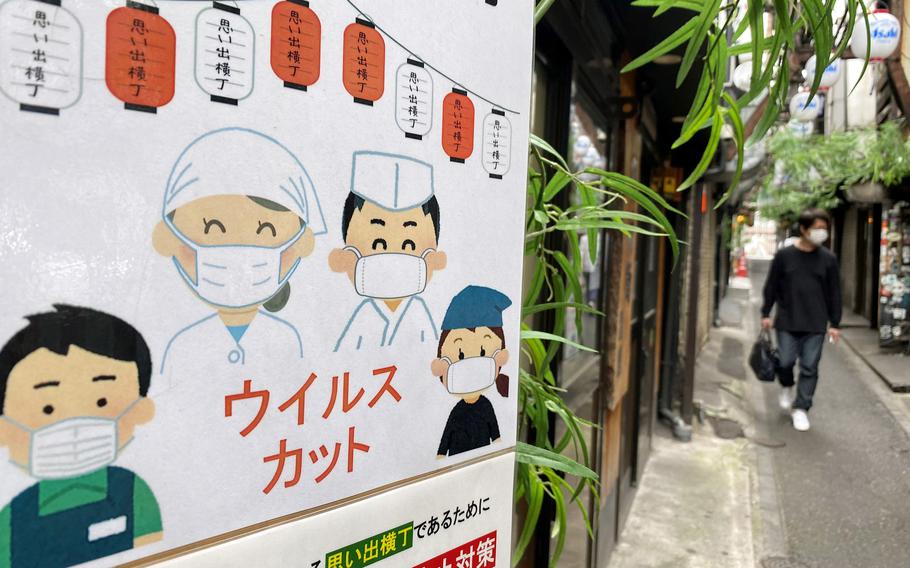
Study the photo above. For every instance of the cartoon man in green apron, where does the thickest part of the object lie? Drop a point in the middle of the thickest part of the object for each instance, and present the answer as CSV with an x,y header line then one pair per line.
x,y
73,386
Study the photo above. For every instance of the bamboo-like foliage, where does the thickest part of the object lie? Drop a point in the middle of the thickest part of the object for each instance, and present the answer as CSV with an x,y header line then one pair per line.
x,y
555,288
711,36
715,32
808,171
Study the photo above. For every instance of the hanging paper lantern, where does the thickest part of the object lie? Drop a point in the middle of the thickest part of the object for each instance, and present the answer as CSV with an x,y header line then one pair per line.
x,y
885,38
801,108
801,128
413,99
40,55
742,76
139,57
225,53
363,71
457,125
497,144
296,43
829,77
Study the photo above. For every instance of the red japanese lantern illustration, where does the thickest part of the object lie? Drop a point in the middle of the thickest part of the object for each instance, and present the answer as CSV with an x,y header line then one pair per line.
x,y
139,57
363,62
458,125
296,41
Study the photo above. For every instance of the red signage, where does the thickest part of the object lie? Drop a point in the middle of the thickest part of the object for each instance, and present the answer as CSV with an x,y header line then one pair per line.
x,y
478,553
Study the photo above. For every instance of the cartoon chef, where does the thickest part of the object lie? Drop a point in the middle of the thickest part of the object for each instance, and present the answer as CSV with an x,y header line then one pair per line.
x,y
390,227
472,351
240,212
73,387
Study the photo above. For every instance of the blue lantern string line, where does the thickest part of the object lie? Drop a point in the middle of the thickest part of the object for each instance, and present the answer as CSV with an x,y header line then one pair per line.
x,y
426,63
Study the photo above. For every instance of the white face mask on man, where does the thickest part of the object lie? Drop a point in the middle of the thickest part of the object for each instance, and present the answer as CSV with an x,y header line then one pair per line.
x,y
390,275
818,236
72,447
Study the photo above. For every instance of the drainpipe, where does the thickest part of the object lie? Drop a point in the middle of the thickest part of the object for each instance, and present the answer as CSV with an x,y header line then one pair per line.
x,y
688,387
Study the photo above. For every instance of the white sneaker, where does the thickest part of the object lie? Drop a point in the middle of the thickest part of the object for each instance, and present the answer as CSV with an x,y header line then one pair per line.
x,y
800,420
785,398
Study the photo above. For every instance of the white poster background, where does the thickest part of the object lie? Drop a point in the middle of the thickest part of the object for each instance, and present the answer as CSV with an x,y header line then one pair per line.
x,y
82,192
303,542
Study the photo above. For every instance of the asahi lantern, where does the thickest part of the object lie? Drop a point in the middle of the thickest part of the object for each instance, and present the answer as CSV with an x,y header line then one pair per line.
x,y
40,55
363,54
140,55
801,128
413,99
225,53
829,77
296,44
742,76
497,143
884,40
458,125
801,108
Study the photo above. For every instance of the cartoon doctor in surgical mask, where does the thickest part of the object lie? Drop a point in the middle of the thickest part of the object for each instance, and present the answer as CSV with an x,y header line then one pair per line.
x,y
239,214
390,227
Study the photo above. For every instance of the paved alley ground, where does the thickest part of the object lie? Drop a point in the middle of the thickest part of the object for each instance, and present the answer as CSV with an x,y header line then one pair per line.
x,y
836,496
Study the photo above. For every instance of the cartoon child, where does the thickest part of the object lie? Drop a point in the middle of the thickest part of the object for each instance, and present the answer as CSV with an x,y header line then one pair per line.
x,y
73,387
472,352
240,212
390,226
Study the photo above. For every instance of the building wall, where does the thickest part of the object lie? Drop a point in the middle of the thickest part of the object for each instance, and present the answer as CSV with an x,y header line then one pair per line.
x,y
848,258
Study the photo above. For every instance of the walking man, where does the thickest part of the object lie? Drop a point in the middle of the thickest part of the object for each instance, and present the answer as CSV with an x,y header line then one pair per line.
x,y
804,283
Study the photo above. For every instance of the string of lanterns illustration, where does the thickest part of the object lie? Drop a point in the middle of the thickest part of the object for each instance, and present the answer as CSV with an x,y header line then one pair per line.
x,y
45,71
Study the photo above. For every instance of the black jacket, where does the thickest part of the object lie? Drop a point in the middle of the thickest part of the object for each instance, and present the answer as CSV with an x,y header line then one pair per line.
x,y
805,286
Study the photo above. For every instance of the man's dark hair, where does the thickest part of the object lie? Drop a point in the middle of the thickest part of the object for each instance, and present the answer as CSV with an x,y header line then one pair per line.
x,y
98,332
354,201
808,217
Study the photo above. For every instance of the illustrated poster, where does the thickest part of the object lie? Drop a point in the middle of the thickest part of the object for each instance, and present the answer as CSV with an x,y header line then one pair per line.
x,y
257,258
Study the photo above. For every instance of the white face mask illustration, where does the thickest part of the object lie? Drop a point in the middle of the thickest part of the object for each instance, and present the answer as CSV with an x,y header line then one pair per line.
x,y
72,447
818,236
470,374
390,275
236,276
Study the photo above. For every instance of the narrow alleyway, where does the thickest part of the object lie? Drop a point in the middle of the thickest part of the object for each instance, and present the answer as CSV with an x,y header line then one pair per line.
x,y
837,496
843,487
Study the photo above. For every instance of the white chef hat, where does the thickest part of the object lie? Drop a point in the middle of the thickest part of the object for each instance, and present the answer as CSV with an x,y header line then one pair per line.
x,y
240,161
391,181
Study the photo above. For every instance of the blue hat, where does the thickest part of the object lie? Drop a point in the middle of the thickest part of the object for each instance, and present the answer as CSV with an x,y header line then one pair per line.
x,y
476,306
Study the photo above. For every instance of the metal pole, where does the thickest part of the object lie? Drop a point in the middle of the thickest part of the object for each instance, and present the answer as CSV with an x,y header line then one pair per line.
x,y
688,390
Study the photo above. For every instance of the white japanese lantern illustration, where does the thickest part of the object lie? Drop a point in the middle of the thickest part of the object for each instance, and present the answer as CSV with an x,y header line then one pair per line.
x,y
225,53
413,99
829,77
40,55
885,36
497,144
801,108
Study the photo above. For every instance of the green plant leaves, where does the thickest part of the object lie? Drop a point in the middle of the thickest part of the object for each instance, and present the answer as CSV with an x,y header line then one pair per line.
x,y
672,41
526,453
705,18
